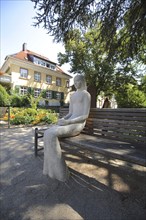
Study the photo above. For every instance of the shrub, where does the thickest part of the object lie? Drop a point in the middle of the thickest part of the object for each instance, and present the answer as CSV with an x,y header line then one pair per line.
x,y
131,97
21,119
4,97
25,102
30,112
32,116
16,100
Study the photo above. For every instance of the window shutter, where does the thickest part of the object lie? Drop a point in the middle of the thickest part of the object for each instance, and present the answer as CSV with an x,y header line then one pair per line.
x,y
29,90
62,95
17,89
53,94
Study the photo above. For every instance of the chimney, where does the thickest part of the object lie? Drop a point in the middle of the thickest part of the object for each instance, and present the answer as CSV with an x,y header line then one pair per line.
x,y
24,47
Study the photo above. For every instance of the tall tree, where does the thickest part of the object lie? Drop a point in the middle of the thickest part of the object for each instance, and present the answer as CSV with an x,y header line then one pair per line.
x,y
86,54
125,16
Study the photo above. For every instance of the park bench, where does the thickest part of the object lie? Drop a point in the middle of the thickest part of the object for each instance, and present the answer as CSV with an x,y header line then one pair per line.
x,y
114,133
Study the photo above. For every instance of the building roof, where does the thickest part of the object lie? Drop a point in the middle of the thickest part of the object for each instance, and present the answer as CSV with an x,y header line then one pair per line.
x,y
27,54
23,55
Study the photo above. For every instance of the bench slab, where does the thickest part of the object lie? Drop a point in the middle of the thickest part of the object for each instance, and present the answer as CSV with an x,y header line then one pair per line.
x,y
133,153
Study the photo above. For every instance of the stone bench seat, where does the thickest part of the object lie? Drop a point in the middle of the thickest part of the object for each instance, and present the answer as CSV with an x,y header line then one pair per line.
x,y
115,133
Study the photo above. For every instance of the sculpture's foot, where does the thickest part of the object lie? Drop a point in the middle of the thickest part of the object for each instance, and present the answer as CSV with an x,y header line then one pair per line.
x,y
60,177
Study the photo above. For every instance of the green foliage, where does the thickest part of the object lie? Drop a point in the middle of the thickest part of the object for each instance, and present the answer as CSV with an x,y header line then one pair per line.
x,y
86,54
43,93
16,100
49,118
4,97
34,101
22,119
30,112
128,18
25,102
142,86
130,97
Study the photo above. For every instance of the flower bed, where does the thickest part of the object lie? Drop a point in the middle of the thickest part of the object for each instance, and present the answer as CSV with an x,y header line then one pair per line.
x,y
31,116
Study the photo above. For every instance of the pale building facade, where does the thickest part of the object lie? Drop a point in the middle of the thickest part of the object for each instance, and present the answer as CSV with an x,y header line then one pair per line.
x,y
28,71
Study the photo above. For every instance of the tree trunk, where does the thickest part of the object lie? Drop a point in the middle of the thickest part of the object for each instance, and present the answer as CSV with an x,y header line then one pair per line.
x,y
92,90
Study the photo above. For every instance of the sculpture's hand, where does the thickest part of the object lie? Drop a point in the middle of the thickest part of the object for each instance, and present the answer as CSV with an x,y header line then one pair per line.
x,y
62,122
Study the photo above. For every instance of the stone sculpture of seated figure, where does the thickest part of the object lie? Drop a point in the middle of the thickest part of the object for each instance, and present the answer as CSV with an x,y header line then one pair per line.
x,y
71,125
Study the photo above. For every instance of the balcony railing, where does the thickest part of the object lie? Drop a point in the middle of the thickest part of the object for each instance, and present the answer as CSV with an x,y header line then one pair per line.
x,y
5,79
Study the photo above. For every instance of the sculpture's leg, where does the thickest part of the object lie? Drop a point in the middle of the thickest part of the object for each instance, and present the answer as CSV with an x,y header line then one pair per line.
x,y
54,163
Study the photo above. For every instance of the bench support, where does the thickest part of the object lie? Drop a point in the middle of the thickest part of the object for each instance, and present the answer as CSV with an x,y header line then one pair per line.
x,y
38,134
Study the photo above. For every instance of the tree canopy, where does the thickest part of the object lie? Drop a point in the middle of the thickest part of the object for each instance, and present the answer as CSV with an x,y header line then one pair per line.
x,y
90,58
125,16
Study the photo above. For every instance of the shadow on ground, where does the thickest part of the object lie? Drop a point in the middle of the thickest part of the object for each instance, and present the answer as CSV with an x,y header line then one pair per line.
x,y
95,190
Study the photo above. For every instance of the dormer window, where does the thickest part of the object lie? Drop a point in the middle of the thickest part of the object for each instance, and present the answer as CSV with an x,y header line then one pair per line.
x,y
48,65
52,67
44,63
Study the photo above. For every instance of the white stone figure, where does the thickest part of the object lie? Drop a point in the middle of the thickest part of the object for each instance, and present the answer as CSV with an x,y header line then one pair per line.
x,y
71,125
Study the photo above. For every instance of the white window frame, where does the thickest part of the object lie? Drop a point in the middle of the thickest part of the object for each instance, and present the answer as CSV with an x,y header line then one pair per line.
x,y
23,90
49,79
52,67
58,81
67,83
37,77
49,94
37,92
24,73
44,63
58,95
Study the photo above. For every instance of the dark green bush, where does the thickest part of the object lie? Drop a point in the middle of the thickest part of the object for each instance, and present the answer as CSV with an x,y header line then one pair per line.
x,y
4,97
25,102
16,100
131,97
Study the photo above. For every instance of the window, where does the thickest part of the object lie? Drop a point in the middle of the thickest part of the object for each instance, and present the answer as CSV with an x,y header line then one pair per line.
x,y
48,65
23,73
58,81
44,63
39,61
52,67
49,79
37,77
67,83
58,95
37,92
49,94
23,90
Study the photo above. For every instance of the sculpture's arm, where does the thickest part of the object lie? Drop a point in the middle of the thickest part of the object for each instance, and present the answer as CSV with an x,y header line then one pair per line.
x,y
61,121
85,108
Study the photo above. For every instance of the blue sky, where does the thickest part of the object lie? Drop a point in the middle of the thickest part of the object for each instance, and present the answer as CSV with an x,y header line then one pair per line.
x,y
16,19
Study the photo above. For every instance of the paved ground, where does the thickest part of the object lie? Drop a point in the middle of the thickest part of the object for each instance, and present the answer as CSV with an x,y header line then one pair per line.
x,y
97,190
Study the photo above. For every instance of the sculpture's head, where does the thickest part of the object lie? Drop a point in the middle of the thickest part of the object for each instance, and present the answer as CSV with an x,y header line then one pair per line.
x,y
79,82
